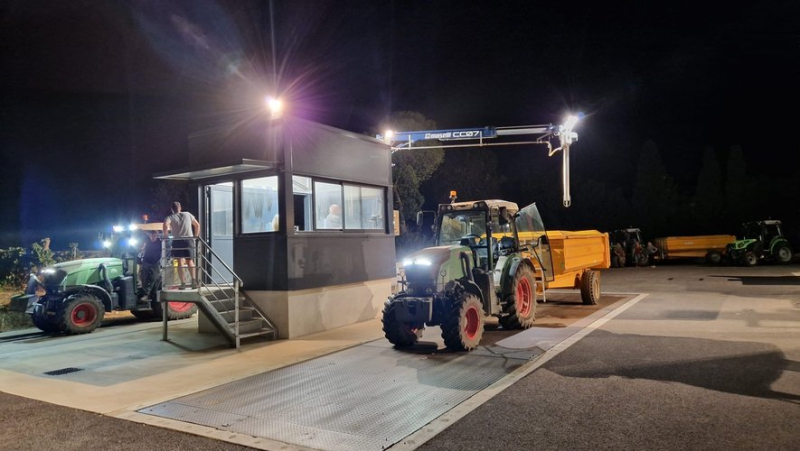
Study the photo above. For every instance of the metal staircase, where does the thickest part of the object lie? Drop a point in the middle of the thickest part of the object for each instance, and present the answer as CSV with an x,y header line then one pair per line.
x,y
218,295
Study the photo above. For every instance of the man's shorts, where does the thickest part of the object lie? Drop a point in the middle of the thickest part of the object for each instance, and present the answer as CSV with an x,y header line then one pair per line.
x,y
182,249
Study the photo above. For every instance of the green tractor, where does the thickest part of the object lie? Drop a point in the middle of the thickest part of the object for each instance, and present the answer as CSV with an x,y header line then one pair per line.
x,y
761,240
78,293
468,275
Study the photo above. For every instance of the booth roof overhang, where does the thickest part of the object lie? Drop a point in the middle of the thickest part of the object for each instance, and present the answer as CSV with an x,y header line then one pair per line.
x,y
204,172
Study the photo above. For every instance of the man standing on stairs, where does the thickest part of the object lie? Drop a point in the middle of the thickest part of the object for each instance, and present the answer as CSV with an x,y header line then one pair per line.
x,y
184,228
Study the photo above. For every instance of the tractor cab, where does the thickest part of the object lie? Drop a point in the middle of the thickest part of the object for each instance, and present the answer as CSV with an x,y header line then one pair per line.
x,y
764,231
484,226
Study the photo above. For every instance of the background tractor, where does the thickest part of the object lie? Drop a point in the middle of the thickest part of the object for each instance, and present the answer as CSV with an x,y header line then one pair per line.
x,y
479,268
79,292
630,248
761,240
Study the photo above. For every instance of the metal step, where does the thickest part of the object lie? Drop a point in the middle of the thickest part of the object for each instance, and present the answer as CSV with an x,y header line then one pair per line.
x,y
223,305
245,314
249,326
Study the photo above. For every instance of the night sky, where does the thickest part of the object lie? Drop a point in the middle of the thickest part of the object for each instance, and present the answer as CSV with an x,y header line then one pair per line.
x,y
99,95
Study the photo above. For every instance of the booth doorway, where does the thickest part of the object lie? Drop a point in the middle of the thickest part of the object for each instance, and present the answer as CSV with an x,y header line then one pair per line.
x,y
219,228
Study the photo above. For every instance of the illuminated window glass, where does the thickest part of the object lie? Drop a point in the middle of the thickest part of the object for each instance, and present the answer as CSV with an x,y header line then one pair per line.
x,y
363,207
260,205
328,205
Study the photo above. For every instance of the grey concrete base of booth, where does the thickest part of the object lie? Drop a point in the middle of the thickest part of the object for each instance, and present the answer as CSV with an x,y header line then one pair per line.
x,y
298,313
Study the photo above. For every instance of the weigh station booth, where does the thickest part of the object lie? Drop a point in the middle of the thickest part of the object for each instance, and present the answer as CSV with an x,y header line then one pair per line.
x,y
302,213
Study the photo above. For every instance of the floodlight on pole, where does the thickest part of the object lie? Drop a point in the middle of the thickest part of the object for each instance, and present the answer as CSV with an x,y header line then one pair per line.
x,y
569,124
275,107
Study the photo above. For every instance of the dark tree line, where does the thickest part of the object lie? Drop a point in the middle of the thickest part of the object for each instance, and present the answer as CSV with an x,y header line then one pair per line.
x,y
724,194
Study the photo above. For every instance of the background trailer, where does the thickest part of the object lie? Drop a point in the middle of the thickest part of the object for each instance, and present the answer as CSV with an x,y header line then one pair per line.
x,y
302,213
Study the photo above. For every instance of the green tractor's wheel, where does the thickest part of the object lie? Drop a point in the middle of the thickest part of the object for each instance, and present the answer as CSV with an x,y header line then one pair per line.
x,y
641,259
749,259
80,314
713,258
783,254
590,287
520,306
398,333
462,327
40,320
175,310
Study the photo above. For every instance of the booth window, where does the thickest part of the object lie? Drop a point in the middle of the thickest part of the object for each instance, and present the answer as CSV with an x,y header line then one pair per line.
x,y
301,190
328,205
363,207
260,205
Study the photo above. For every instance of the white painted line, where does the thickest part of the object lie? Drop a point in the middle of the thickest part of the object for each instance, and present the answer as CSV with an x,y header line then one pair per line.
x,y
441,423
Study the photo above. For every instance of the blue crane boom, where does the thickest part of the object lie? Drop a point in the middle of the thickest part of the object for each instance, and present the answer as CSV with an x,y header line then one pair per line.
x,y
474,137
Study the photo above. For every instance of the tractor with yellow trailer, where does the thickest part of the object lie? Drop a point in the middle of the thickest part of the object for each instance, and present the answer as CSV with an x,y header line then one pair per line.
x,y
712,248
479,267
490,259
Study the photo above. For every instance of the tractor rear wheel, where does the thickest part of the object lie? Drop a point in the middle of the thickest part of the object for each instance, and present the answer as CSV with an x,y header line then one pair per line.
x,y
590,287
749,259
520,306
714,258
400,334
462,327
80,314
175,310
783,254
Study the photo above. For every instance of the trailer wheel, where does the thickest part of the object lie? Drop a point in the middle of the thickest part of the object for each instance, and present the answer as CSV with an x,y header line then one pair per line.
x,y
398,333
462,327
749,259
80,314
520,307
783,254
714,258
590,287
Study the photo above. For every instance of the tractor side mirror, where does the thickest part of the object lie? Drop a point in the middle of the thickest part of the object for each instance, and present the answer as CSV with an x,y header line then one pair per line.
x,y
426,218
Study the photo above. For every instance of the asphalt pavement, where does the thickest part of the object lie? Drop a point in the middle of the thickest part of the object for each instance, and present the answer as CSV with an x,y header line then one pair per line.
x,y
708,359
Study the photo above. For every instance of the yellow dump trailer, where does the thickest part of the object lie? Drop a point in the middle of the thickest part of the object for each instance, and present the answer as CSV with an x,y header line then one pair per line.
x,y
710,247
570,259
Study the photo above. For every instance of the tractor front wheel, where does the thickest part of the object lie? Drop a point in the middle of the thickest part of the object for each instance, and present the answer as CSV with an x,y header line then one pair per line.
x,y
783,254
520,307
40,320
81,314
400,334
590,287
749,259
462,328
